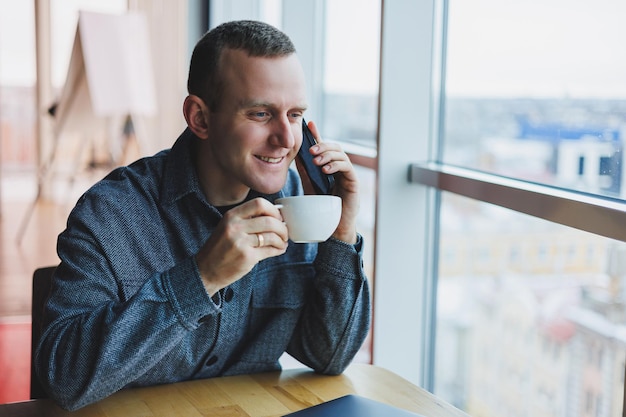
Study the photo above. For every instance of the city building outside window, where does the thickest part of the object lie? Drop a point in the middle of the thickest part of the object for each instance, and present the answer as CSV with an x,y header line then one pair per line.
x,y
531,315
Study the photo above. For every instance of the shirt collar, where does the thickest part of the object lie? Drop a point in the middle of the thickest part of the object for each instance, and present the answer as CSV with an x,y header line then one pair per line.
x,y
180,177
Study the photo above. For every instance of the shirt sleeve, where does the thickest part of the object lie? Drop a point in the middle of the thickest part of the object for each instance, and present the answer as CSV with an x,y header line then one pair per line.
x,y
97,338
336,319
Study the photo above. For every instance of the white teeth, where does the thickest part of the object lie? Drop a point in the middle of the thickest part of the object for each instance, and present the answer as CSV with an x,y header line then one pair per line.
x,y
270,160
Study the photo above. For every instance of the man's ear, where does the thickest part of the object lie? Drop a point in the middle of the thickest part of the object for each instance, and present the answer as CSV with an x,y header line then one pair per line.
x,y
194,111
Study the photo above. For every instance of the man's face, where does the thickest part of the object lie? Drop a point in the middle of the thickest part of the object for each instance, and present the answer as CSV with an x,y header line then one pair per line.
x,y
256,131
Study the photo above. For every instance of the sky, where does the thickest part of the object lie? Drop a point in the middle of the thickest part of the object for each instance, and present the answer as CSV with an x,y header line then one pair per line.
x,y
537,47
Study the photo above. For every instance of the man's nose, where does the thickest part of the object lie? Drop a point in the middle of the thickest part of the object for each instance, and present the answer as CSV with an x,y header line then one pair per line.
x,y
283,133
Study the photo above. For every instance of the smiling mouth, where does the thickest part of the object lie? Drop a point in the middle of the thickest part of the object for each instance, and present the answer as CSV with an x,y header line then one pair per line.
x,y
270,160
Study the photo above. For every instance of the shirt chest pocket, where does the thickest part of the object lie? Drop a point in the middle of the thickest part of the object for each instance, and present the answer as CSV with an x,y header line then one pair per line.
x,y
282,286
278,299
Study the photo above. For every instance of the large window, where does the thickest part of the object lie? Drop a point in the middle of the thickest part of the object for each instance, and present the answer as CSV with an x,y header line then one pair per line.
x,y
530,313
537,90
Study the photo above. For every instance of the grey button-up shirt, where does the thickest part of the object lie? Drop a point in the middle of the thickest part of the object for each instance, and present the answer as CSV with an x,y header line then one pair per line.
x,y
128,307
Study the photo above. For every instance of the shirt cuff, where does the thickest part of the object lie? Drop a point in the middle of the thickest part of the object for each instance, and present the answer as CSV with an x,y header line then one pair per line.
x,y
341,258
187,294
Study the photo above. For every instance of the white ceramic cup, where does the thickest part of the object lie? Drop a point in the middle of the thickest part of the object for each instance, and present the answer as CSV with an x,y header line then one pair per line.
x,y
310,218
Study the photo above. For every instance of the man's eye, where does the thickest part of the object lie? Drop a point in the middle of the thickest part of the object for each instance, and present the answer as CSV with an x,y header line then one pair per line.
x,y
260,115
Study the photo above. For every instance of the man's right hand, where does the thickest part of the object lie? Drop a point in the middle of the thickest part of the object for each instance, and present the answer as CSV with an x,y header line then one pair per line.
x,y
246,235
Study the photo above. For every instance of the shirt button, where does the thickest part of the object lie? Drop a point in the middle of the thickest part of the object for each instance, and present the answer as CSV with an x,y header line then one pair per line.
x,y
212,360
228,294
204,319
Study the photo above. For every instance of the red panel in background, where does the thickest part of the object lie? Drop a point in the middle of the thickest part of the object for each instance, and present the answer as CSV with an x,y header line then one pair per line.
x,y
14,360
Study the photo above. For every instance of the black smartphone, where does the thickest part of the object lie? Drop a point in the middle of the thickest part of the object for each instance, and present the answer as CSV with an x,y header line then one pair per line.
x,y
322,183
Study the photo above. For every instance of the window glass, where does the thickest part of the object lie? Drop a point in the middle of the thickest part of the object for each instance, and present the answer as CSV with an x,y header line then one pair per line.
x,y
528,311
531,315
17,83
351,42
536,90
351,67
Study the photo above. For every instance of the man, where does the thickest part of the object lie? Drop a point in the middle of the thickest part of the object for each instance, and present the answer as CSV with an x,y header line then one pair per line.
x,y
178,266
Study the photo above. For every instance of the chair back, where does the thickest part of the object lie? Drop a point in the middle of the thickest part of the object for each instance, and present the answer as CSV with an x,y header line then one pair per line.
x,y
42,279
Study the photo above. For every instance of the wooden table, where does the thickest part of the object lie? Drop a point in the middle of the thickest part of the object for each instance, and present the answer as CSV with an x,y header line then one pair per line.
x,y
268,394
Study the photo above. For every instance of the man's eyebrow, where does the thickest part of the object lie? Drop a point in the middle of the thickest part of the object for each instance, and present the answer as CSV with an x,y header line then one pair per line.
x,y
254,104
248,104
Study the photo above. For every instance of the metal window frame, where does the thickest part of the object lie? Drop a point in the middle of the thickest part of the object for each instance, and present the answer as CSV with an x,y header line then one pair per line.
x,y
406,222
592,213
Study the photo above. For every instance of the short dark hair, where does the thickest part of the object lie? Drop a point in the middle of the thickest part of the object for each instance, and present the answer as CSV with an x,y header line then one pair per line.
x,y
258,39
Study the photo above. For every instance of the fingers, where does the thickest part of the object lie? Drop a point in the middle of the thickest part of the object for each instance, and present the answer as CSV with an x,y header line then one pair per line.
x,y
246,235
329,156
261,240
333,160
259,207
263,223
265,240
313,128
